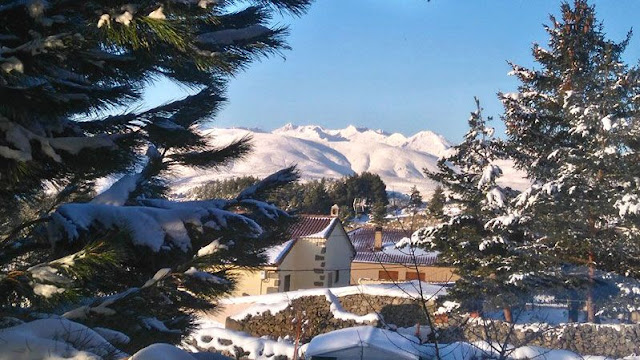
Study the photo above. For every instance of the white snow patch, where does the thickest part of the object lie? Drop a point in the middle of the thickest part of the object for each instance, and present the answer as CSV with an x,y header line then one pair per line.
x,y
258,348
162,351
212,248
54,339
118,192
205,276
275,253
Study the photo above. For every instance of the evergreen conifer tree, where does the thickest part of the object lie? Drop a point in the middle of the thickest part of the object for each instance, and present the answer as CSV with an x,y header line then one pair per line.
x,y
573,128
415,198
378,212
316,198
62,65
437,202
479,241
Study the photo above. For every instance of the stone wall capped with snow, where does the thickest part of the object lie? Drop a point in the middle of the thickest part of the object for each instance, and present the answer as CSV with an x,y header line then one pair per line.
x,y
319,317
615,341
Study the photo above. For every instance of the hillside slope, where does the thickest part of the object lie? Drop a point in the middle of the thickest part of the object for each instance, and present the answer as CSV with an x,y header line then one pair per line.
x,y
319,152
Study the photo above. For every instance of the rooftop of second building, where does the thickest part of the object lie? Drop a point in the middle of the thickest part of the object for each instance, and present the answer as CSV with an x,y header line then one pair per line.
x,y
363,240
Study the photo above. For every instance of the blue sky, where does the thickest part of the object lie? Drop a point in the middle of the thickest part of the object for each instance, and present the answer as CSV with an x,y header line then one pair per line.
x,y
398,65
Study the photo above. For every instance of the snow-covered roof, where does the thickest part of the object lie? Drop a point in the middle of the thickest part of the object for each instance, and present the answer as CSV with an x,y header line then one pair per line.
x,y
313,226
275,254
392,252
368,337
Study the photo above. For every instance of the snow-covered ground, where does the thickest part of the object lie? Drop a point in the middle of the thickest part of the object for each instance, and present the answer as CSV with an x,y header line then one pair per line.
x,y
320,152
400,342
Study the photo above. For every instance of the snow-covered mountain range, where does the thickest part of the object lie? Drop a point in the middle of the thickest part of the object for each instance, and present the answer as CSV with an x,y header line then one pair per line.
x,y
320,152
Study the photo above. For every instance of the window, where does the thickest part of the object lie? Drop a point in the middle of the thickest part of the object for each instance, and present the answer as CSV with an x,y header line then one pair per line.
x,y
412,275
287,283
387,275
337,276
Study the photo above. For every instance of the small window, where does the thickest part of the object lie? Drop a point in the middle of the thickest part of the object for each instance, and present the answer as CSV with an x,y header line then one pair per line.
x,y
337,276
287,282
412,275
387,275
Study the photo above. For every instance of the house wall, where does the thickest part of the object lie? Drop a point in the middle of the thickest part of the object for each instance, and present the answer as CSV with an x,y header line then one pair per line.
x,y
299,264
310,263
338,258
249,282
362,272
314,260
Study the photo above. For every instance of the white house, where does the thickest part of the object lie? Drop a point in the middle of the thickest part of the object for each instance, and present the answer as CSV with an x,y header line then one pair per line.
x,y
317,254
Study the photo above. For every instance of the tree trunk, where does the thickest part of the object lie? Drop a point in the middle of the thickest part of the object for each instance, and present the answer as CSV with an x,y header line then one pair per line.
x,y
573,308
591,308
508,317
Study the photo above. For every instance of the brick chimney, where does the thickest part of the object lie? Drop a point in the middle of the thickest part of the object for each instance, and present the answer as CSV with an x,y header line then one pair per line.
x,y
377,239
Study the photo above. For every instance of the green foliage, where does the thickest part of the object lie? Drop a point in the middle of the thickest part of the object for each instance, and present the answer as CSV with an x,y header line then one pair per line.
x,y
63,66
366,186
311,197
437,202
572,127
415,198
223,189
378,212
485,251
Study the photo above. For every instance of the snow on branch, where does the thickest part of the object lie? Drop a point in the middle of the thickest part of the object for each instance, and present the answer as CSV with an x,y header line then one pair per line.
x,y
101,306
19,138
118,193
489,175
55,339
156,224
269,183
628,205
495,198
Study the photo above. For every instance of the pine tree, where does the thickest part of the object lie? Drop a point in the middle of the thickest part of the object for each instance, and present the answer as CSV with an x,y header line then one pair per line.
x,y
63,64
415,198
573,127
480,242
437,202
378,213
316,198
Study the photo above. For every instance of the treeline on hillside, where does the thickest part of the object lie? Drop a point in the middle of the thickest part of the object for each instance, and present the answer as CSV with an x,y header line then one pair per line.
x,y
311,197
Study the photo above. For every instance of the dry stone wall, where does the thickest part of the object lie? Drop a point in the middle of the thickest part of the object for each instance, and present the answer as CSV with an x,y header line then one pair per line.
x,y
315,310
615,341
589,339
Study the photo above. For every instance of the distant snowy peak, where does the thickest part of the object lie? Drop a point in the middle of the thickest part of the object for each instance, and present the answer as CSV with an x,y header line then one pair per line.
x,y
429,142
423,141
308,132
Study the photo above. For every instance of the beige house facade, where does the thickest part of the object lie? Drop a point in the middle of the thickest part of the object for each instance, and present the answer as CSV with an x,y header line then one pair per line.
x,y
379,260
318,254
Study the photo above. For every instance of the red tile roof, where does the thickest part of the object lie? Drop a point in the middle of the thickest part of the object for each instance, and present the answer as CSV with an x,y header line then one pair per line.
x,y
311,225
363,238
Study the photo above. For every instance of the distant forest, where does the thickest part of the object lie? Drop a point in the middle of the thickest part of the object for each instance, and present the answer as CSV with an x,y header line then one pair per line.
x,y
311,197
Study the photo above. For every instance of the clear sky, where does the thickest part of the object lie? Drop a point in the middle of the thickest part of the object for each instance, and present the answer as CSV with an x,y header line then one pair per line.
x,y
398,65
